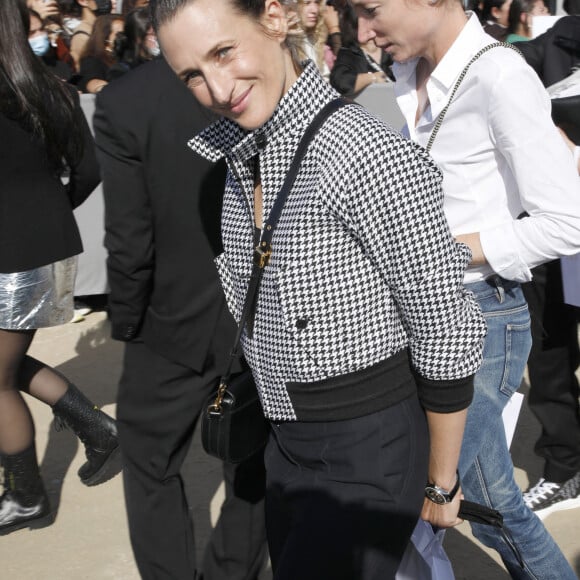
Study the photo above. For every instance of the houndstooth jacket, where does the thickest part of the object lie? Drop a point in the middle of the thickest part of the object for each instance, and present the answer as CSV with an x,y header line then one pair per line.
x,y
363,264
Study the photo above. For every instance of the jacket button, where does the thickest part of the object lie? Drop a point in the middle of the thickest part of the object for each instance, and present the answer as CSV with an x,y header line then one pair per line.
x,y
301,323
261,140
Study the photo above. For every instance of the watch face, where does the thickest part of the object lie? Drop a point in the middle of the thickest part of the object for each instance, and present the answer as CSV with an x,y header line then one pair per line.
x,y
435,495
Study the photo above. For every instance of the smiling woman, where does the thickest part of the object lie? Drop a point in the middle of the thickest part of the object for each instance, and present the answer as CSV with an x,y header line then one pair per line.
x,y
362,343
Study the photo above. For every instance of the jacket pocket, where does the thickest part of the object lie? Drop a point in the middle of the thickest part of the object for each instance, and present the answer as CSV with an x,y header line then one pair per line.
x,y
330,318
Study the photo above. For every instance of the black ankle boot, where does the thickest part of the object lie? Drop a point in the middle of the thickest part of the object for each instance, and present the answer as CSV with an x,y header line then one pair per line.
x,y
96,430
24,502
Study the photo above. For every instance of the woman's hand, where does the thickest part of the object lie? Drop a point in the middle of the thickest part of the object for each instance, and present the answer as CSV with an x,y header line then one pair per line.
x,y
331,19
44,9
444,515
474,244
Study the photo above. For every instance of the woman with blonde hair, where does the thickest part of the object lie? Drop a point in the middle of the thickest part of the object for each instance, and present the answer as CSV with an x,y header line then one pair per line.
x,y
314,46
511,192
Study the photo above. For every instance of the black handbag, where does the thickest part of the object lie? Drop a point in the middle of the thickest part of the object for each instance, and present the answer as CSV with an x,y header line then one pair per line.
x,y
233,426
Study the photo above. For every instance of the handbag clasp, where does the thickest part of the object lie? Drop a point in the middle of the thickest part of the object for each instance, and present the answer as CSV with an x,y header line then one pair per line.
x,y
262,255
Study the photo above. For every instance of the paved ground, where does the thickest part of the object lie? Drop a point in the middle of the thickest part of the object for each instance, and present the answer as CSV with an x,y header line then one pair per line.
x,y
88,539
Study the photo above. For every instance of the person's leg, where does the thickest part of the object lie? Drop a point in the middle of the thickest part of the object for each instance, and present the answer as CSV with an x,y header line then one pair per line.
x,y
41,381
343,498
16,426
485,463
95,429
24,500
157,408
237,547
554,388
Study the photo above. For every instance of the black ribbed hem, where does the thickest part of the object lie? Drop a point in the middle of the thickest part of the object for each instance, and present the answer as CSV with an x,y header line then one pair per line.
x,y
445,396
355,394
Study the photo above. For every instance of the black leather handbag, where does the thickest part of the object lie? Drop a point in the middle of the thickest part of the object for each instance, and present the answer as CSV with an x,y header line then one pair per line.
x,y
233,426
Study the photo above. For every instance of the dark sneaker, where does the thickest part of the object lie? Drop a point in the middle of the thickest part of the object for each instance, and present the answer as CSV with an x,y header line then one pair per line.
x,y
547,497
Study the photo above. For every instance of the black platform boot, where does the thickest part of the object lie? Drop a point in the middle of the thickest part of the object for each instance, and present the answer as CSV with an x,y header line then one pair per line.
x,y
24,502
96,430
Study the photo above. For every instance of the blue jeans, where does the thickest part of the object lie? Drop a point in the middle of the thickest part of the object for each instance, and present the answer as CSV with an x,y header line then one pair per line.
x,y
485,464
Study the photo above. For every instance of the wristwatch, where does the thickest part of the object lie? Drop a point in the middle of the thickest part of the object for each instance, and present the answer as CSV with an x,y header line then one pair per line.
x,y
439,495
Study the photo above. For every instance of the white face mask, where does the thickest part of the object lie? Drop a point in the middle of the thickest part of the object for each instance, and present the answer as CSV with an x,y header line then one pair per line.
x,y
39,44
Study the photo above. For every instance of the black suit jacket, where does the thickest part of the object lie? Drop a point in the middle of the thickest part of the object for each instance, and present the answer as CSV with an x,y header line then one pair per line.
x,y
37,225
162,213
555,54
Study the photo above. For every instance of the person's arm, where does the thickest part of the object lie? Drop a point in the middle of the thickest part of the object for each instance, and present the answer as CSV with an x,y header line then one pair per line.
x,y
84,173
546,181
77,44
332,21
398,214
346,76
95,86
93,74
128,219
446,434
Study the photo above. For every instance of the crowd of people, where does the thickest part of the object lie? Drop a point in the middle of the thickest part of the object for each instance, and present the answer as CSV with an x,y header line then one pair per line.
x,y
411,278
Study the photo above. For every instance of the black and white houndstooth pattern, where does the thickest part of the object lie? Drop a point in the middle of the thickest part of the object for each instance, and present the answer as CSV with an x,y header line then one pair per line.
x,y
363,263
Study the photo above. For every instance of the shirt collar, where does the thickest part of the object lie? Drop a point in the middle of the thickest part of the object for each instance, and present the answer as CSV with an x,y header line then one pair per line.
x,y
294,112
459,54
443,77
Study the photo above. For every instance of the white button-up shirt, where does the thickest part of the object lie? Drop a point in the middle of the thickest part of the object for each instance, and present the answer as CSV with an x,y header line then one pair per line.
x,y
500,153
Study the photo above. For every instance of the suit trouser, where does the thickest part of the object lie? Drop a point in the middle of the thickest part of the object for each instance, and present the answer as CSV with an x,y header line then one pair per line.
x,y
553,361
158,405
343,497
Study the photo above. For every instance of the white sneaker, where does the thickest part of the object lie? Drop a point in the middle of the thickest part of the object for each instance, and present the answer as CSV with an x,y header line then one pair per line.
x,y
547,497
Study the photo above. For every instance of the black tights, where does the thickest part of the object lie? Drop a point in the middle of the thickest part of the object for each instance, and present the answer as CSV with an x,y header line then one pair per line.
x,y
20,372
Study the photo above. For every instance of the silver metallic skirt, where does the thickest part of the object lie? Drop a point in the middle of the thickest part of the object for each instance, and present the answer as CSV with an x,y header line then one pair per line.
x,y
38,298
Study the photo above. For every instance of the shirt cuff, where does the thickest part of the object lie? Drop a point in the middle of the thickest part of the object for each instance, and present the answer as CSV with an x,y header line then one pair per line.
x,y
499,247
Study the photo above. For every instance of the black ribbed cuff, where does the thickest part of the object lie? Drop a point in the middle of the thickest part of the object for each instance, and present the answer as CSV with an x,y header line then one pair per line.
x,y
445,396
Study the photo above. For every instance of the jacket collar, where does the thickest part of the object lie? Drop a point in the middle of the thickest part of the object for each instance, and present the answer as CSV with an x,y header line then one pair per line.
x,y
294,112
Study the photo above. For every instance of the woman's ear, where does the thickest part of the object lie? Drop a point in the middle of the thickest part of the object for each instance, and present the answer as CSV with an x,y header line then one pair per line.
x,y
275,19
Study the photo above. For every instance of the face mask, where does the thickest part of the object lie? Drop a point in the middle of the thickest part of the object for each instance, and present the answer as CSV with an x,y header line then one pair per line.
x,y
103,7
154,50
39,44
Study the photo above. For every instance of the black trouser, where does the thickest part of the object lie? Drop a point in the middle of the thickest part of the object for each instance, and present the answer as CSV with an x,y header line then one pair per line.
x,y
157,409
343,497
553,361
